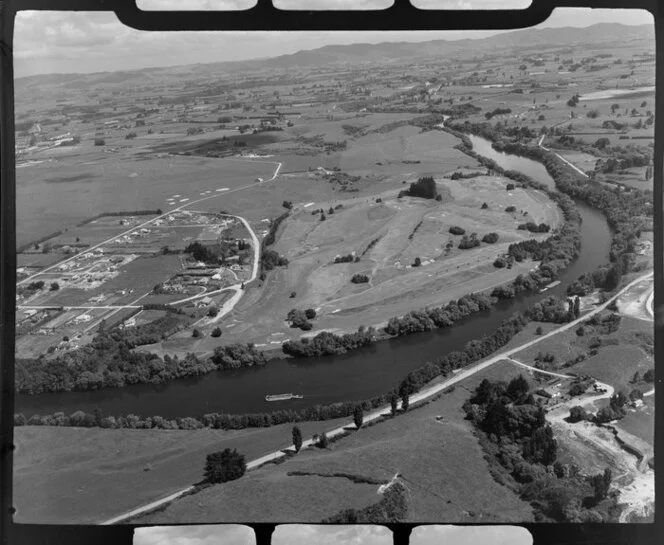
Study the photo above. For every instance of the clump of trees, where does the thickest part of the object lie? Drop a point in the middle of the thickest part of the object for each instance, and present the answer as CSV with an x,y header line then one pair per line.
x,y
237,355
456,230
490,238
466,243
300,318
425,188
359,278
271,259
497,111
224,465
201,253
326,343
534,228
522,453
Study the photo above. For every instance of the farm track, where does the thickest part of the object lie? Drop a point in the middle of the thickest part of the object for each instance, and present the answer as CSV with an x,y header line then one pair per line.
x,y
416,398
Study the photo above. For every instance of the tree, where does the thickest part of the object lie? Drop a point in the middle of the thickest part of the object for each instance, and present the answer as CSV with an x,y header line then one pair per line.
x,y
212,311
649,375
417,262
100,142
577,306
405,401
577,414
297,438
216,332
601,484
310,313
196,333
323,441
485,206
225,465
394,404
287,204
539,330
636,378
55,286
358,416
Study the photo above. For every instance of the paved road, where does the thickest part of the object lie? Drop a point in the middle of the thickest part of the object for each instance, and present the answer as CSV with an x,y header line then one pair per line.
x,y
415,398
538,370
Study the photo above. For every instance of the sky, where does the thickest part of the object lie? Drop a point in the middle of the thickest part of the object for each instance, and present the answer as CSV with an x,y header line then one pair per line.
x,y
470,535
222,534
64,42
305,534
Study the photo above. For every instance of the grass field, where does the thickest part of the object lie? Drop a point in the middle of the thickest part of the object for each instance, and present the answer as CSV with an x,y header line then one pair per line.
x,y
103,182
405,229
78,475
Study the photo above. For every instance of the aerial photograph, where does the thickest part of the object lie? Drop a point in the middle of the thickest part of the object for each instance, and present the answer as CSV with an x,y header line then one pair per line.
x,y
334,277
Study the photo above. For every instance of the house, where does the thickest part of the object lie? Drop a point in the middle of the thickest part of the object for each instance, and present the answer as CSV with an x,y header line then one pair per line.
x,y
82,318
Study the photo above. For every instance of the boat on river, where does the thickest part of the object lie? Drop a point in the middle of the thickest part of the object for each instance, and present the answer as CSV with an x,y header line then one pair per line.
x,y
549,286
282,397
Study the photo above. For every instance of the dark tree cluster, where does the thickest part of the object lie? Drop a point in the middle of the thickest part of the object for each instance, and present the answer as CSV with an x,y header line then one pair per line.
x,y
534,228
359,278
456,230
326,343
467,243
201,253
109,361
424,188
271,259
235,356
436,317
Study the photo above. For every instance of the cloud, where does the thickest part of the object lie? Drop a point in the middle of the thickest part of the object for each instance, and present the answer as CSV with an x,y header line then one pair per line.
x,y
65,42
470,535
226,534
202,5
304,534
471,4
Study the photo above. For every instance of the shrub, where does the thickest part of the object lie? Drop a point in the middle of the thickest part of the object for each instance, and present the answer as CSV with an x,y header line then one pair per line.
x,y
212,311
490,238
455,230
100,142
310,313
417,262
358,416
539,330
216,332
484,206
510,187
323,441
359,278
577,414
510,209
196,333
223,466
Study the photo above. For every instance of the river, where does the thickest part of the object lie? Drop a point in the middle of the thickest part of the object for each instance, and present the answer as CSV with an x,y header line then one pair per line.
x,y
361,374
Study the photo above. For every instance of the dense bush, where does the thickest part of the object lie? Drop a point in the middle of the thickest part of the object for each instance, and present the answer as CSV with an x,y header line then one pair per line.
x,y
234,356
326,343
225,465
424,188
359,278
455,230
271,259
490,238
467,243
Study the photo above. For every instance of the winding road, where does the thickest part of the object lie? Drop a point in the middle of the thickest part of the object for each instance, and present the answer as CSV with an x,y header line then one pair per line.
x,y
415,398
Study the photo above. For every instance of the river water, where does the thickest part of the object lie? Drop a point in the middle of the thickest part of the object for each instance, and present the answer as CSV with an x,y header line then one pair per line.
x,y
361,374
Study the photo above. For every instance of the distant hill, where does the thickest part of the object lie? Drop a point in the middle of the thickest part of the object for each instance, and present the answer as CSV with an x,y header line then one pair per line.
x,y
383,52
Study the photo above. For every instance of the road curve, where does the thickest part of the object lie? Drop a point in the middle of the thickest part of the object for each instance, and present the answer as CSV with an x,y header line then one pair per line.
x,y
415,398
